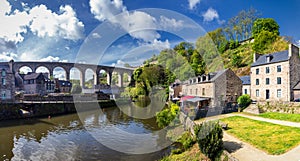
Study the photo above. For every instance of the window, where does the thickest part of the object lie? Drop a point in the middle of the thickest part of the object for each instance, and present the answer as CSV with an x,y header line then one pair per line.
x,y
257,71
257,81
257,93
278,93
3,81
203,91
191,91
245,91
267,94
278,80
267,81
3,73
278,68
196,91
3,95
267,70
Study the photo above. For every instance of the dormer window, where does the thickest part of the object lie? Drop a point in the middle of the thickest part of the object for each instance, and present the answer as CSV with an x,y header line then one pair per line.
x,y
204,78
268,58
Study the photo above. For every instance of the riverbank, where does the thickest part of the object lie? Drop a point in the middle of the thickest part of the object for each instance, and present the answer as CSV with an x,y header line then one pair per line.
x,y
9,111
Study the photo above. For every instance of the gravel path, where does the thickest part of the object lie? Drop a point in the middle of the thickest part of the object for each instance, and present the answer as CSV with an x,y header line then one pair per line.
x,y
246,152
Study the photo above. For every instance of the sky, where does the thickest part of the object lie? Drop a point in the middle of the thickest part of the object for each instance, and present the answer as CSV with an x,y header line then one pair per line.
x,y
114,32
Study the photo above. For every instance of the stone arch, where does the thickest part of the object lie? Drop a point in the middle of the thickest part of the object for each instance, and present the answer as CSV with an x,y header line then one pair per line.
x,y
102,76
59,72
43,69
90,78
24,69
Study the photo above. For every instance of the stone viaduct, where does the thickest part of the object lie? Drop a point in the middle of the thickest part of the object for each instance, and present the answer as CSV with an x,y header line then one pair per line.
x,y
15,67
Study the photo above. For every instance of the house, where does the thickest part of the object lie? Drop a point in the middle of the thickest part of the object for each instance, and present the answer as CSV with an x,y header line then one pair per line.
x,y
175,90
36,83
276,76
214,89
63,86
7,82
246,82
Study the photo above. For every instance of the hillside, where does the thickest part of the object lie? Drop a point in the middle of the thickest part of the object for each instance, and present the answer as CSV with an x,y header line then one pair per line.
x,y
240,58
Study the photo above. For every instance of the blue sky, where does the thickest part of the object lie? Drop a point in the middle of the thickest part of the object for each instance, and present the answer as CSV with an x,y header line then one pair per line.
x,y
74,31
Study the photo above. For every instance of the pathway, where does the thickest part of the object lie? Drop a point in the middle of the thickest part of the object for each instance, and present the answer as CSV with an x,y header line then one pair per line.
x,y
246,152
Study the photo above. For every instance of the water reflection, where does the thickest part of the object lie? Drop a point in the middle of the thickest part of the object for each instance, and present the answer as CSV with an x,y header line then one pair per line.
x,y
65,138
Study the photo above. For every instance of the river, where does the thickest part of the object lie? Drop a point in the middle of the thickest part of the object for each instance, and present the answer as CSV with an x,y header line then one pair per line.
x,y
70,137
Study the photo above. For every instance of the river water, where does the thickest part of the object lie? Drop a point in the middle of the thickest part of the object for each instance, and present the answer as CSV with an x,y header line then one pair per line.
x,y
70,137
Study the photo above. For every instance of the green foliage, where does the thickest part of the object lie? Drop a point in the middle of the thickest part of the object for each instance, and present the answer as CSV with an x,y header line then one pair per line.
x,y
244,101
265,24
263,40
233,44
186,140
236,60
76,89
166,116
209,138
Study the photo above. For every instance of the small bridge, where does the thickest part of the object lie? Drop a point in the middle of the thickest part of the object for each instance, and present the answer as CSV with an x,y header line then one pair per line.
x,y
15,67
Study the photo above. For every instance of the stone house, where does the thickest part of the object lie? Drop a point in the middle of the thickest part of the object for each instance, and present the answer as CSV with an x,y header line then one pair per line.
x,y
7,90
63,86
36,83
246,82
175,90
274,76
214,89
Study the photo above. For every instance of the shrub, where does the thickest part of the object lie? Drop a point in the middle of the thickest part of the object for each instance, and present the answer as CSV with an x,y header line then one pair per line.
x,y
166,116
186,140
209,138
244,100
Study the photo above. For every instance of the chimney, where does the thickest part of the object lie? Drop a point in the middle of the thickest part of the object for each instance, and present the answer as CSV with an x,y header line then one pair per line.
x,y
255,57
293,49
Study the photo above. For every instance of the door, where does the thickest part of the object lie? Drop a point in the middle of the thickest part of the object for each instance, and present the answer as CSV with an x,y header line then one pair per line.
x,y
267,94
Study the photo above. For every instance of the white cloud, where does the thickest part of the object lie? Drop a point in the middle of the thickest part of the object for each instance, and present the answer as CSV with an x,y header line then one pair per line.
x,y
15,23
65,25
170,23
96,35
41,21
52,59
210,15
136,23
106,9
193,3
6,56
161,45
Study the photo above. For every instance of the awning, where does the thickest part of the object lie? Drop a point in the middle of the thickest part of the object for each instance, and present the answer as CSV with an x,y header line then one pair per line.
x,y
185,98
197,99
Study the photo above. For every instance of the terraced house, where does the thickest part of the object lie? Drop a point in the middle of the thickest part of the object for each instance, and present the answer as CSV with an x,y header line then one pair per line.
x,y
276,76
215,89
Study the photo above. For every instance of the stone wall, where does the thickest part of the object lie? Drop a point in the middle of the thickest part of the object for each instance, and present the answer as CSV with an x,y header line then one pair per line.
x,y
294,69
273,86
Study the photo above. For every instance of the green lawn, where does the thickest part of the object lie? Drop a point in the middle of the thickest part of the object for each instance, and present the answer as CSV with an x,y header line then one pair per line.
x,y
272,138
281,116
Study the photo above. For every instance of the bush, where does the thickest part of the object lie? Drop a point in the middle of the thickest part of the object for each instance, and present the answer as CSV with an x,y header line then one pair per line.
x,y
209,138
166,116
244,101
186,140
76,89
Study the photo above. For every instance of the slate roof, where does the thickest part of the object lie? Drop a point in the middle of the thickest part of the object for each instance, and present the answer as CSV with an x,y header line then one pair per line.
x,y
213,76
32,76
276,57
245,80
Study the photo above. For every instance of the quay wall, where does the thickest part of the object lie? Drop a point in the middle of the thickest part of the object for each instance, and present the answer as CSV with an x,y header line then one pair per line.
x,y
10,111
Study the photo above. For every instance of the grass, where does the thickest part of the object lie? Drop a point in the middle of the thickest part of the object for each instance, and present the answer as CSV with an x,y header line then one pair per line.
x,y
271,138
193,154
281,116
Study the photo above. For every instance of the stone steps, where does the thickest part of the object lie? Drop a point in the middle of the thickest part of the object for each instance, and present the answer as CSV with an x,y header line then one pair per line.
x,y
252,108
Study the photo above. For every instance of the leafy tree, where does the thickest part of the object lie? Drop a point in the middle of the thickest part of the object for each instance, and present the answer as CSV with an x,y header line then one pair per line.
x,y
244,101
76,89
263,40
197,63
209,138
265,24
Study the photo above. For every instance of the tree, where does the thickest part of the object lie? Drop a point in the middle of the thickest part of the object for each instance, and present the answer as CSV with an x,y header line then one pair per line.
x,y
209,138
265,24
76,89
263,40
244,101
